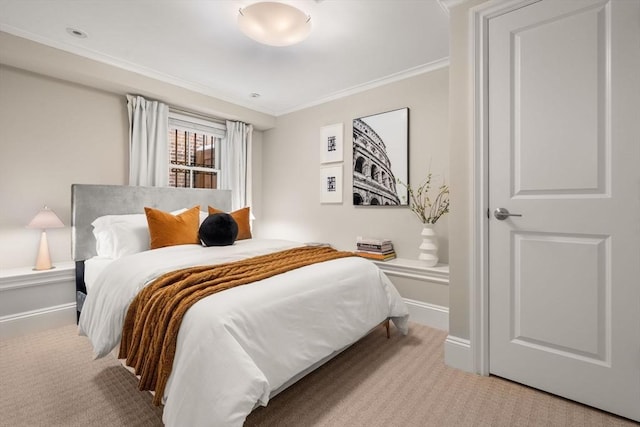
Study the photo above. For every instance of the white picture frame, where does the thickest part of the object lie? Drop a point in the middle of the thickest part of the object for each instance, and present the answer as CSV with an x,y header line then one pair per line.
x,y
331,143
331,184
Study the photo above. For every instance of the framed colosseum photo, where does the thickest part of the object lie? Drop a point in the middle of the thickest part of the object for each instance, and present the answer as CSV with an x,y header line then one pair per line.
x,y
380,158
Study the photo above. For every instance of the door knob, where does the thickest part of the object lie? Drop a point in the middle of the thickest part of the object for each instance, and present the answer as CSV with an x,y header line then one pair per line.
x,y
503,213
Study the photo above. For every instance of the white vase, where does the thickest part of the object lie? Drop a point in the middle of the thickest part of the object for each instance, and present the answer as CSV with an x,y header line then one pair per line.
x,y
429,246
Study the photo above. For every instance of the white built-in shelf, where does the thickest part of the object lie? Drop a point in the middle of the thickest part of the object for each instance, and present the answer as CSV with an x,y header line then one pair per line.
x,y
33,301
415,269
11,278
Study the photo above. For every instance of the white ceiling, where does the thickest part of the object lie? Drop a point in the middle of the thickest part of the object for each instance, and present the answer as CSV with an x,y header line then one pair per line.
x,y
354,44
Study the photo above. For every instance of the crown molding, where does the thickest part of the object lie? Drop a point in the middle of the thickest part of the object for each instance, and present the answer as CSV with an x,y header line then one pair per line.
x,y
128,66
447,5
411,72
208,91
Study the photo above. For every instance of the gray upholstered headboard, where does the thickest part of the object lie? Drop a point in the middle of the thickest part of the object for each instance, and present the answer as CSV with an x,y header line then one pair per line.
x,y
88,202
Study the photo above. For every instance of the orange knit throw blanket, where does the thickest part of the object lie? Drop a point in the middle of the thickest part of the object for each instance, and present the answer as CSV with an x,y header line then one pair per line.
x,y
150,330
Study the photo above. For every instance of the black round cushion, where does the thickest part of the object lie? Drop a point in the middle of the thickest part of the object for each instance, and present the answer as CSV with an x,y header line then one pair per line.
x,y
219,229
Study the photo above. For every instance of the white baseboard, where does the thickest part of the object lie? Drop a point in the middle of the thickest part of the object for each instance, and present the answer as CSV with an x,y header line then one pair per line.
x,y
42,319
434,316
457,353
13,325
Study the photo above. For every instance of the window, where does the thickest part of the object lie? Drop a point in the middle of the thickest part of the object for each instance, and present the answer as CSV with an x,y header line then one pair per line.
x,y
194,151
374,173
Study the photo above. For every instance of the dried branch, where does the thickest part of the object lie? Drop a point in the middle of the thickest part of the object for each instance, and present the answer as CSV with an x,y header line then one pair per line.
x,y
419,202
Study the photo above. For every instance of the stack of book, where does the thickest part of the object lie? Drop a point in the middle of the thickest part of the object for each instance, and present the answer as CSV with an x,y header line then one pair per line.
x,y
377,249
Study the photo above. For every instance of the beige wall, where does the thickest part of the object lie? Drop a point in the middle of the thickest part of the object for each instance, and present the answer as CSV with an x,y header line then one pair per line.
x,y
291,161
52,134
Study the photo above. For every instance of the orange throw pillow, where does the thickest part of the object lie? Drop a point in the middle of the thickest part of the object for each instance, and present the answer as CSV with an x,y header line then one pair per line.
x,y
242,218
166,229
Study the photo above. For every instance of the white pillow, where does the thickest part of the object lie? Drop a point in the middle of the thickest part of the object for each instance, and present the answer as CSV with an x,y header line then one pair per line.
x,y
203,216
120,235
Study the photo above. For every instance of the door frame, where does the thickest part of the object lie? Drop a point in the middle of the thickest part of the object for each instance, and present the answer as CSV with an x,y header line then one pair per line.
x,y
479,139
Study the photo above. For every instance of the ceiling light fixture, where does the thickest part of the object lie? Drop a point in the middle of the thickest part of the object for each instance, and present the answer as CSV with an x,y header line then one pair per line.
x,y
274,24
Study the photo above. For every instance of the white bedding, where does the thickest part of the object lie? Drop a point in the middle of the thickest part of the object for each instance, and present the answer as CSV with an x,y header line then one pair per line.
x,y
236,346
92,269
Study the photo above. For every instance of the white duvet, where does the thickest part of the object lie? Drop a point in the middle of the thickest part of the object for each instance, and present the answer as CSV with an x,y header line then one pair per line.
x,y
237,346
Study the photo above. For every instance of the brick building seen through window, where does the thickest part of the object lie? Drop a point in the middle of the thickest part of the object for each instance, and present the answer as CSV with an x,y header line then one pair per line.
x,y
193,154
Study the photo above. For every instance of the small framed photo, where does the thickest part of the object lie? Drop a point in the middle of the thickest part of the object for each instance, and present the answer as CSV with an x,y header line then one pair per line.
x,y
331,184
331,143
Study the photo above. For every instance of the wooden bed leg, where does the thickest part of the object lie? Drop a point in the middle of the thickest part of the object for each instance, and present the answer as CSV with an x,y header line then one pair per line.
x,y
386,325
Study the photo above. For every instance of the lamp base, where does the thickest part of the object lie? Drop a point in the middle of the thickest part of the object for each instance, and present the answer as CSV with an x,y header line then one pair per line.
x,y
43,261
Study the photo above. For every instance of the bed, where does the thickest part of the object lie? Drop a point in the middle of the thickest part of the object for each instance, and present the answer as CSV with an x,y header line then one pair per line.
x,y
238,348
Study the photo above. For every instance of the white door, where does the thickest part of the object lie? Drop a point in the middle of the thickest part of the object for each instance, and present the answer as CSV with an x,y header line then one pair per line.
x,y
564,152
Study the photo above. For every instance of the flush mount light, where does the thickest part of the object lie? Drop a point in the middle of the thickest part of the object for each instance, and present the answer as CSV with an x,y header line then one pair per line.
x,y
77,33
274,24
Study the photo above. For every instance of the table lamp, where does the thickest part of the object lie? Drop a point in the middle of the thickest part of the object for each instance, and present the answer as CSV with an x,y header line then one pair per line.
x,y
44,219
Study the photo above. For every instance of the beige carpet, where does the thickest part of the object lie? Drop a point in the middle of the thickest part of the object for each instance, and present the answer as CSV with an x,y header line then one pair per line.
x,y
50,379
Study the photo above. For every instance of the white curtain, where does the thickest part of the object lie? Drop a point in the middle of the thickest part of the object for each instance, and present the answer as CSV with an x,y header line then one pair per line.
x,y
148,142
235,167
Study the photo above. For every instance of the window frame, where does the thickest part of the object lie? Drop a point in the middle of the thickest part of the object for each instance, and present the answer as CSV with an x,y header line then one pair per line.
x,y
193,124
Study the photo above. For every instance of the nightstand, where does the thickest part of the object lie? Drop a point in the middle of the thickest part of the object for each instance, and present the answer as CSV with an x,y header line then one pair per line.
x,y
31,301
